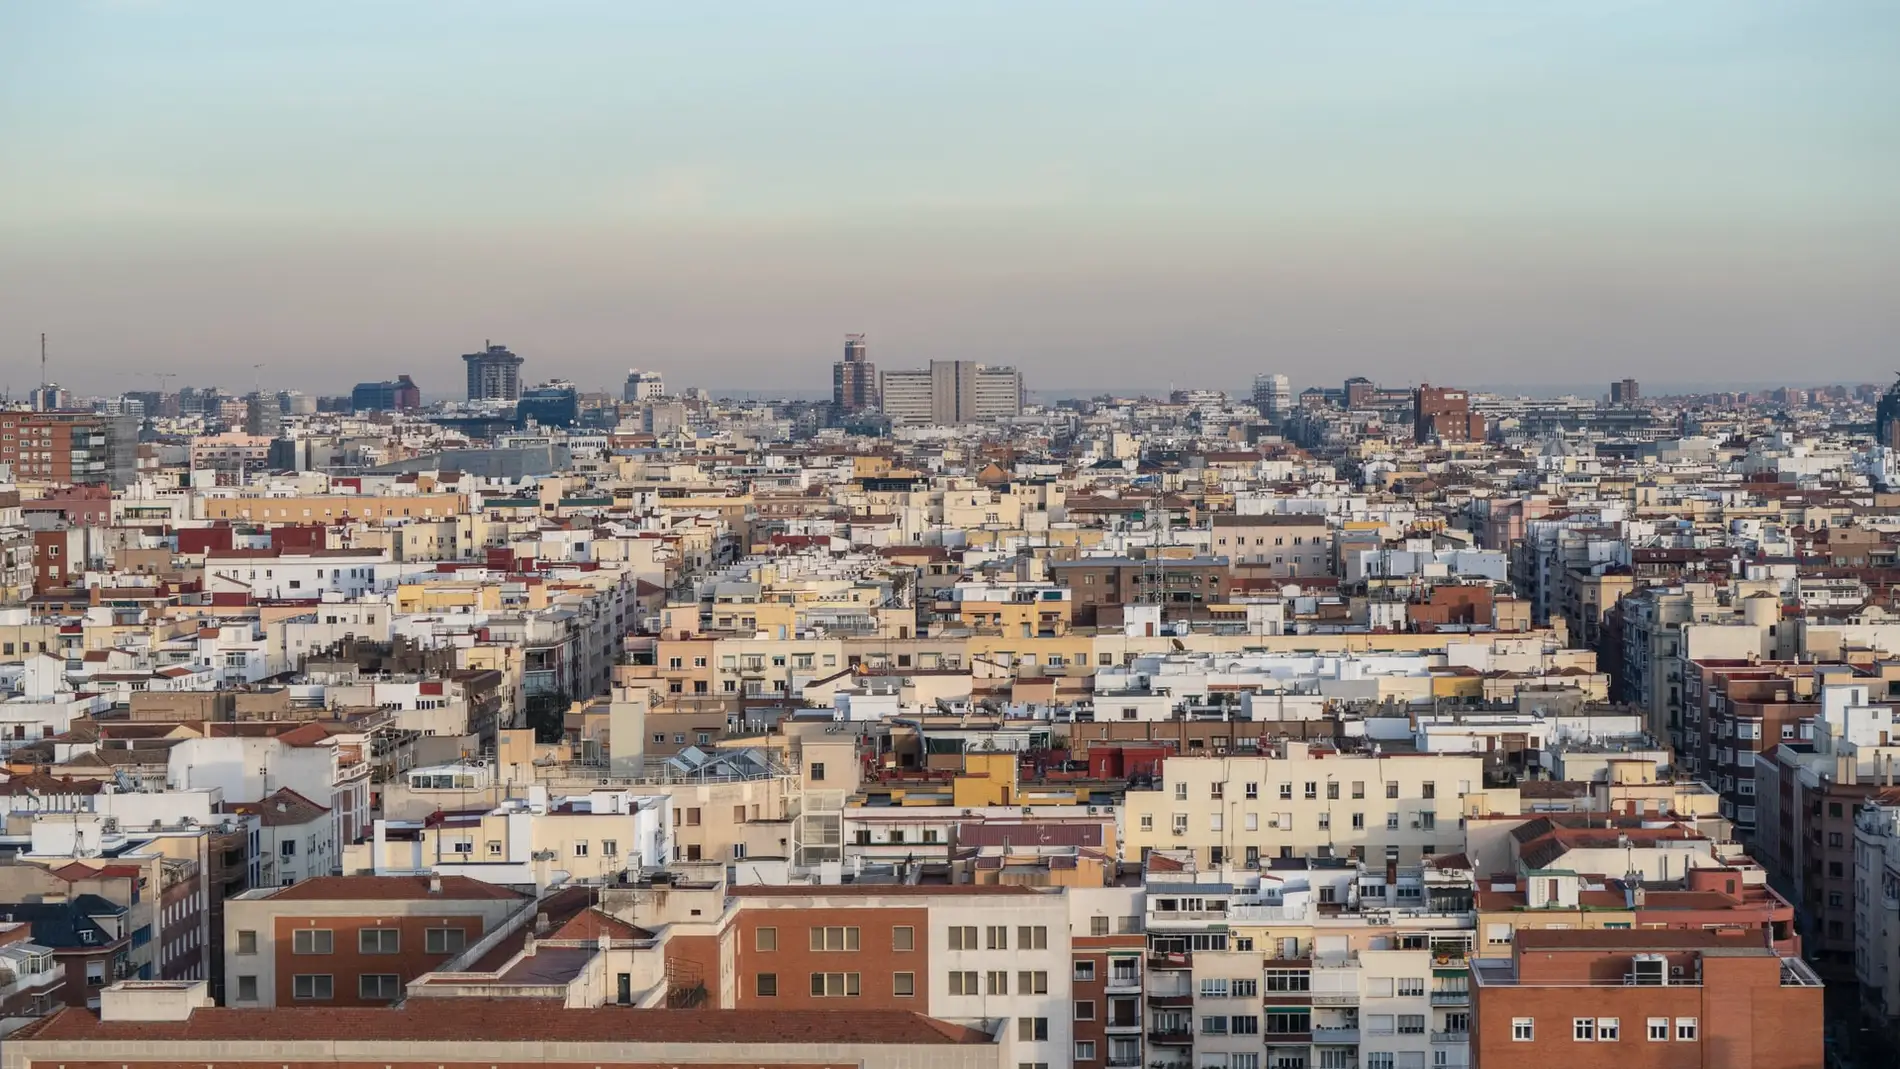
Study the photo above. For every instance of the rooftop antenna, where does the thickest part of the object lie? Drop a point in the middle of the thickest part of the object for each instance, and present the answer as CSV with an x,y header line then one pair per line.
x,y
42,365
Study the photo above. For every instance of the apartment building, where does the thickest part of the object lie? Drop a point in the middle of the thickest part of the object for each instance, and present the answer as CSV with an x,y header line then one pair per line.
x,y
1287,546
30,977
1302,799
1645,998
339,941
966,952
1109,948
1877,910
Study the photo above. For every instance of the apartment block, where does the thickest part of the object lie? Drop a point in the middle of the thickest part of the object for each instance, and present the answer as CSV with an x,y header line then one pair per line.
x,y
353,940
1645,998
1303,800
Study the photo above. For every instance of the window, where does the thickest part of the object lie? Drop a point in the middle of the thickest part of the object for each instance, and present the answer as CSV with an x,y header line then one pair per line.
x,y
766,984
1685,1029
1032,1029
312,941
1084,1050
767,939
378,941
311,987
1380,1060
1659,1029
997,982
1248,988
1213,988
1358,788
247,989
1032,937
1609,1029
444,940
817,771
904,938
1243,1024
247,943
1286,790
1032,983
381,987
834,938
1253,790
610,848
1583,1029
963,983
1523,1029
1411,987
834,985
1180,792
996,937
1098,925
1411,1024
1085,1010
1214,1026
1085,970
963,938
904,984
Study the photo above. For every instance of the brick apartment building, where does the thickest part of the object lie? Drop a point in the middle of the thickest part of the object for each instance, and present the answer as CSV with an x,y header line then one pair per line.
x,y
69,447
1639,999
1444,413
353,940
1101,586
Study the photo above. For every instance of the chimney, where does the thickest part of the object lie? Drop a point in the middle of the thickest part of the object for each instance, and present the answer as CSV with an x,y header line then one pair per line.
x,y
435,883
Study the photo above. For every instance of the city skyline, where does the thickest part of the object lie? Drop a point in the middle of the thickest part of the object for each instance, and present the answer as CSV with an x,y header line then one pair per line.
x,y
1466,196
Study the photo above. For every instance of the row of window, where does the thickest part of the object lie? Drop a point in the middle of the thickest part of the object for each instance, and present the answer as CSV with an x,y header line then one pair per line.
x,y
996,982
996,937
1424,820
835,984
321,987
368,941
1610,1029
1310,790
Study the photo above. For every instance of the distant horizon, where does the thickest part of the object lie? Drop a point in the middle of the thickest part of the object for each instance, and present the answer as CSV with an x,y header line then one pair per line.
x,y
1091,191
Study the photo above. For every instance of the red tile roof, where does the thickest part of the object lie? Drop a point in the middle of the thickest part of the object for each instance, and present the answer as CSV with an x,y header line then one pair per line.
x,y
471,1020
389,889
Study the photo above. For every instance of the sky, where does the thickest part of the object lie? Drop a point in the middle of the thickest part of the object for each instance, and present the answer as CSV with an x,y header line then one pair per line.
x,y
1125,195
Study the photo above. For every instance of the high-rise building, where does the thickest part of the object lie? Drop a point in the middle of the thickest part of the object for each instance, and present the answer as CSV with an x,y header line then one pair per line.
x,y
263,417
950,392
1887,418
551,404
494,374
1623,393
1273,396
1444,413
396,395
854,384
642,386
69,447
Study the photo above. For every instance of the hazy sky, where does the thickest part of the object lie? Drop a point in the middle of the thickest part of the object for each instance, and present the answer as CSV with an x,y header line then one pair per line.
x,y
1098,192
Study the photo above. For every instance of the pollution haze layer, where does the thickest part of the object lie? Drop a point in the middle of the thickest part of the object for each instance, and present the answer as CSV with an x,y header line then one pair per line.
x,y
1124,193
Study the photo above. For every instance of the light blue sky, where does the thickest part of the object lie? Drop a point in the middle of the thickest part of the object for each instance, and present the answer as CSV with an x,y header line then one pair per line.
x,y
1099,192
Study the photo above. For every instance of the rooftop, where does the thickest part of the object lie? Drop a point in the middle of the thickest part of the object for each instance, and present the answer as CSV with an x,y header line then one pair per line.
x,y
472,1020
387,889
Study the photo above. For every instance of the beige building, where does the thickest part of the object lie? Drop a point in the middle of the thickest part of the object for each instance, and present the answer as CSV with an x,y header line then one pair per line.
x,y
1303,800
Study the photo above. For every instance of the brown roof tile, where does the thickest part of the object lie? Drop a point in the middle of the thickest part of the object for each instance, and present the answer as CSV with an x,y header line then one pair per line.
x,y
389,889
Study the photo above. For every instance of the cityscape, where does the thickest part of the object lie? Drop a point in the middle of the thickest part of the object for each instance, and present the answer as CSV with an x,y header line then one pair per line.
x,y
620,535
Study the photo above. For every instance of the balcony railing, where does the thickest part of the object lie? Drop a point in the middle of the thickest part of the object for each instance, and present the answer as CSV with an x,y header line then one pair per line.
x,y
1444,1038
1450,998
1326,1033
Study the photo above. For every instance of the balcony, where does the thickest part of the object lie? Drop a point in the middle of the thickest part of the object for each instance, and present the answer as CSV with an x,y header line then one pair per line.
x,y
1124,981
1451,998
1440,1039
1122,1025
1328,1033
1180,1037
1158,961
1336,998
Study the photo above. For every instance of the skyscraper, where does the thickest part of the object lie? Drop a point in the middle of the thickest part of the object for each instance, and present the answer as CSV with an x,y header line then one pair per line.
x,y
1623,393
950,392
1273,395
494,374
854,379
